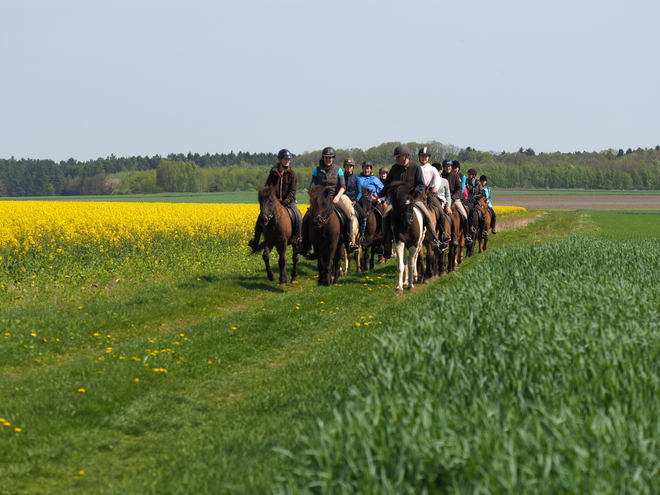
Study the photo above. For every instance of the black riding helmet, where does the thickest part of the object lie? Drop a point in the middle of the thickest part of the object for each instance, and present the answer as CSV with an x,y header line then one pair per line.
x,y
329,151
447,162
424,151
284,153
367,164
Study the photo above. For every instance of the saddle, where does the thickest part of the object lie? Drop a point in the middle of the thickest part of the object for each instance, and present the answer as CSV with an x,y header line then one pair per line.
x,y
292,214
342,218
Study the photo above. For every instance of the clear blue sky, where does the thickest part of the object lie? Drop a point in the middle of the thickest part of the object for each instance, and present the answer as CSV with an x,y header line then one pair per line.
x,y
89,78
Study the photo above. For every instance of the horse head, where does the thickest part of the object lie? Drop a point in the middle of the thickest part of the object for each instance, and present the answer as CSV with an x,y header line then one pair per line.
x,y
267,203
402,202
320,205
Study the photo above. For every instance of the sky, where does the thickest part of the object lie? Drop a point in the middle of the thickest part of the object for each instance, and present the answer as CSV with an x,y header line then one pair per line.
x,y
85,79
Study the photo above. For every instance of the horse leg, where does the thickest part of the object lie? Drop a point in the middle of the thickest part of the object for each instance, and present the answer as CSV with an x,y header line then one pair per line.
x,y
282,263
294,269
266,257
401,264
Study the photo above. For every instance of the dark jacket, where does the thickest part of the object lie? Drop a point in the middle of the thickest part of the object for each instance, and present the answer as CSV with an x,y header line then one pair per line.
x,y
352,186
475,190
331,177
286,182
410,174
455,186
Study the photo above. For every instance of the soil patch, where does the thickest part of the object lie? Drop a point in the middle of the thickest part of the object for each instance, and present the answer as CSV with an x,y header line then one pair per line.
x,y
575,202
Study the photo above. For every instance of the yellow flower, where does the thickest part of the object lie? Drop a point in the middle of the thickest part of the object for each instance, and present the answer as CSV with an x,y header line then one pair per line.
x,y
82,390
18,429
136,380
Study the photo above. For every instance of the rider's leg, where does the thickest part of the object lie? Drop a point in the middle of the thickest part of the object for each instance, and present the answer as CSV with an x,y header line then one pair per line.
x,y
258,229
428,223
350,228
464,218
297,227
362,220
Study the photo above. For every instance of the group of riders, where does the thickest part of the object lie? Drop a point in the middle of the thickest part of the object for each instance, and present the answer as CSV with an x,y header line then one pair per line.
x,y
448,188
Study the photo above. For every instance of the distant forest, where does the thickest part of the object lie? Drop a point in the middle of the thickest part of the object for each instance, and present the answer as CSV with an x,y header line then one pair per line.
x,y
609,169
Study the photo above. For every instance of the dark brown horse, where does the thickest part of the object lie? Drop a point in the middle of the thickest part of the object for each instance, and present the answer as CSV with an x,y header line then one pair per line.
x,y
457,240
484,231
373,233
431,270
408,227
447,255
325,234
278,233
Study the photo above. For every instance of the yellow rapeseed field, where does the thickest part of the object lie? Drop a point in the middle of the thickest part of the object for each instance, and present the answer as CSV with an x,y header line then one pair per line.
x,y
55,226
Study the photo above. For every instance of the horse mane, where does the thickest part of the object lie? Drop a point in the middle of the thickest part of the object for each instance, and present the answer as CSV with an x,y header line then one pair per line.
x,y
265,193
320,201
400,196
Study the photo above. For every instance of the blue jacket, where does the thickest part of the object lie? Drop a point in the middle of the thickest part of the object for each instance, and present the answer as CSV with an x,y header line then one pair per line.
x,y
372,183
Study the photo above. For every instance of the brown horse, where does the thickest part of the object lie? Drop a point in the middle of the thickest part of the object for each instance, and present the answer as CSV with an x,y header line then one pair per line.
x,y
408,227
457,240
278,233
432,254
448,249
325,234
482,233
373,233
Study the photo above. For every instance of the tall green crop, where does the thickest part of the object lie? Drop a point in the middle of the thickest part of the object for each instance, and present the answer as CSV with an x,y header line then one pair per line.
x,y
540,375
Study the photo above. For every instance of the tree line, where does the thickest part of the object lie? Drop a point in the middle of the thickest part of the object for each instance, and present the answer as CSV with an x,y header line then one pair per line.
x,y
609,169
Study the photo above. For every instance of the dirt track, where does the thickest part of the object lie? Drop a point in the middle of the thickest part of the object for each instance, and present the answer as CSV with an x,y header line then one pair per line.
x,y
574,202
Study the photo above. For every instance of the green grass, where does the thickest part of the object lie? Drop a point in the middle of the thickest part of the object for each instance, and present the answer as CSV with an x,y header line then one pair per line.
x,y
627,224
542,379
249,373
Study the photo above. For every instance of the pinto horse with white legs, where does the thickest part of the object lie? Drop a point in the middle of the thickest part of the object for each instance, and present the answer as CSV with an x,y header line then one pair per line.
x,y
407,225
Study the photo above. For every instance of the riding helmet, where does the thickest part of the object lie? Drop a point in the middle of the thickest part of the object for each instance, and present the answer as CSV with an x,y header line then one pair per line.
x,y
402,149
349,161
424,151
367,164
329,151
284,153
447,162
472,171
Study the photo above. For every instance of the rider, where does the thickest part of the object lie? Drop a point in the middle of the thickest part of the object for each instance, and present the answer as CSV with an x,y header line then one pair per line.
x,y
354,191
456,191
432,180
329,175
282,176
489,195
410,173
475,192
382,174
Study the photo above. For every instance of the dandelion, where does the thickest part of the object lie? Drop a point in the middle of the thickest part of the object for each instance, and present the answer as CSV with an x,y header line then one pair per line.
x,y
33,334
7,423
82,390
234,328
18,429
81,472
136,380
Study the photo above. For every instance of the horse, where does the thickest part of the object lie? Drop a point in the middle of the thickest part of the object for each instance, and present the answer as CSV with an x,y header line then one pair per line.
x,y
475,221
278,232
325,234
408,227
373,233
432,255
448,249
482,233
457,240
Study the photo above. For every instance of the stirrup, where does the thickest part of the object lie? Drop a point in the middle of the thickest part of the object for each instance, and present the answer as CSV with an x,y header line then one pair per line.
x,y
445,238
468,239
361,239
352,248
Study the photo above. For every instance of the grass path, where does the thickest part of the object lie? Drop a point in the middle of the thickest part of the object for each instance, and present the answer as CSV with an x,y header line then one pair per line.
x,y
99,415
